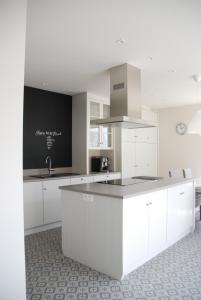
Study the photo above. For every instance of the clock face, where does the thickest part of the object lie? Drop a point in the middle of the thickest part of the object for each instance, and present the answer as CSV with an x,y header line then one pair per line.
x,y
181,128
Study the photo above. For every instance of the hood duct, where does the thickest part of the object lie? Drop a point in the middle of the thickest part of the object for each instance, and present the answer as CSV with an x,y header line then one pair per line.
x,y
125,99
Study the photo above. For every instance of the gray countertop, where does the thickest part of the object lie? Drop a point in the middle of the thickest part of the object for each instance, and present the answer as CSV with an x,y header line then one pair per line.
x,y
30,178
124,191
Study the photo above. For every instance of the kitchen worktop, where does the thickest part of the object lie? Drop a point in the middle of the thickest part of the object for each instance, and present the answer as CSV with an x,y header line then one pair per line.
x,y
124,191
30,178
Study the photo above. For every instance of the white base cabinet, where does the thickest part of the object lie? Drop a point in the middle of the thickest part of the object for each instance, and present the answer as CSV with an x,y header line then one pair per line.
x,y
52,200
180,214
42,200
157,221
144,228
135,232
33,204
115,236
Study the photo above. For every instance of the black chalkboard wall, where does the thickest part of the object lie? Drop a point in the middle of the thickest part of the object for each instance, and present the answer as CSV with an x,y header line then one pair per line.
x,y
47,129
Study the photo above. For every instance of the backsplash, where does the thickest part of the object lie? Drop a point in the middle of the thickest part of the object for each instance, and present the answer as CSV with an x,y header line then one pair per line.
x,y
47,129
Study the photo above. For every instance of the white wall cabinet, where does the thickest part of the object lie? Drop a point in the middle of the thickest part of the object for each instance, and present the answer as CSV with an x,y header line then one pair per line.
x,y
33,204
100,137
180,210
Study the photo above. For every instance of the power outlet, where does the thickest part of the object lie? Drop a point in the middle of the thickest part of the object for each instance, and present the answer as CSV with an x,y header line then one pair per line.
x,y
88,197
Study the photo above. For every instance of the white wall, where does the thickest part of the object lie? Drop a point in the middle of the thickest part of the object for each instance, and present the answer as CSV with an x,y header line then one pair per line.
x,y
176,151
12,35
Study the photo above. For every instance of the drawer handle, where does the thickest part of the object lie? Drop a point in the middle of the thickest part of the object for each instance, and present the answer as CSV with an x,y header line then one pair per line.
x,y
182,193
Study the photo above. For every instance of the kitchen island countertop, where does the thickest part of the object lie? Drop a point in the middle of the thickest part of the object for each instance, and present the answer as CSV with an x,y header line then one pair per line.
x,y
124,191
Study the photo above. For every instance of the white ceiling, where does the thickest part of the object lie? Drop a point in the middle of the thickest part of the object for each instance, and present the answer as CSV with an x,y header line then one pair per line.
x,y
71,45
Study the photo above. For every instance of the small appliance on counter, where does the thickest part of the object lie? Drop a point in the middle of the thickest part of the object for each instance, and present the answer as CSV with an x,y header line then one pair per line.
x,y
100,163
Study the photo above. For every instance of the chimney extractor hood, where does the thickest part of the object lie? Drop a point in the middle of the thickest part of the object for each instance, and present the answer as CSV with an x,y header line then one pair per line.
x,y
125,99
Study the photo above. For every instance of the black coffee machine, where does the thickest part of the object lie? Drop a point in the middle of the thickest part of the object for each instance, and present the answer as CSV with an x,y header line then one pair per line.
x,y
100,163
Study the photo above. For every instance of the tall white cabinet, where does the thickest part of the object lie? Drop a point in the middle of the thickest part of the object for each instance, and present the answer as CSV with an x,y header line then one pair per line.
x,y
136,151
85,138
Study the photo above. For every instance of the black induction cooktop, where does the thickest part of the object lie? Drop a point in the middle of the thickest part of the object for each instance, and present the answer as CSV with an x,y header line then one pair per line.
x,y
123,182
131,181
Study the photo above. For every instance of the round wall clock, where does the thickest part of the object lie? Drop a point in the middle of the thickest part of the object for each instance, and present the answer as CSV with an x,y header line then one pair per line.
x,y
181,128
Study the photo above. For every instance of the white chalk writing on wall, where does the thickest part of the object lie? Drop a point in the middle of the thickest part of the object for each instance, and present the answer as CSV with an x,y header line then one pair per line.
x,y
49,136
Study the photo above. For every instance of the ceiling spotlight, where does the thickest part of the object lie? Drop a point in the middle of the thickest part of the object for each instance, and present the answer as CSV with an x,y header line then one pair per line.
x,y
120,41
196,77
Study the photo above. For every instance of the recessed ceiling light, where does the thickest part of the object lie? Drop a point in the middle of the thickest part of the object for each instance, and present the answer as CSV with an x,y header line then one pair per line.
x,y
120,41
149,57
171,71
44,83
197,77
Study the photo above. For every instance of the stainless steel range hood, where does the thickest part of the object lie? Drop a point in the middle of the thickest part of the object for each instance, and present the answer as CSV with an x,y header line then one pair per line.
x,y
125,99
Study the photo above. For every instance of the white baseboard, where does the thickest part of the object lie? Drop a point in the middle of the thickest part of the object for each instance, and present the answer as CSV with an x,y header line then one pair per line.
x,y
42,228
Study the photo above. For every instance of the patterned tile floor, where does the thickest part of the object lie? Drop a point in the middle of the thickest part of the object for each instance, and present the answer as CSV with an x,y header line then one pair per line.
x,y
174,274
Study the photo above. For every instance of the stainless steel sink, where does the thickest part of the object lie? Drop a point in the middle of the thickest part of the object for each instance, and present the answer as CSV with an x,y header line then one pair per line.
x,y
53,175
151,178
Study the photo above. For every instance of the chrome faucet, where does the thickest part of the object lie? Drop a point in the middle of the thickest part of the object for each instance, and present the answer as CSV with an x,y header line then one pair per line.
x,y
48,159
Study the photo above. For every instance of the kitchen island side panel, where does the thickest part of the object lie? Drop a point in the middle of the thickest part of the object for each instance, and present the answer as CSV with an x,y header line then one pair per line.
x,y
92,231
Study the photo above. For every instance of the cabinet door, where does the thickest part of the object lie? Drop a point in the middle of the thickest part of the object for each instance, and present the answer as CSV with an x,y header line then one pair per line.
x,y
105,137
52,199
157,221
146,135
141,159
95,110
149,115
135,231
81,179
128,159
106,111
146,159
152,159
94,137
180,211
33,204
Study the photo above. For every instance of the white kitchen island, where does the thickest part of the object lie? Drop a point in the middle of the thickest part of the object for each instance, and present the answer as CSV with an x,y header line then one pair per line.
x,y
115,229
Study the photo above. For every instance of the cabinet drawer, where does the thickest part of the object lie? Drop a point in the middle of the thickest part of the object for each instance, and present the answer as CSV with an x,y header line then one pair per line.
x,y
114,176
104,177
182,191
180,211
80,180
